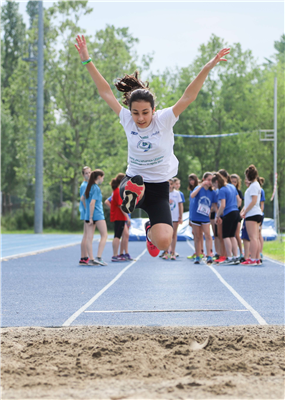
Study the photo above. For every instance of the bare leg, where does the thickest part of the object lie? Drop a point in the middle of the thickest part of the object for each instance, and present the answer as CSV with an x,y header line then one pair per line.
x,y
161,235
197,239
89,240
252,228
115,245
84,252
208,237
102,228
174,238
238,238
223,252
125,240
246,248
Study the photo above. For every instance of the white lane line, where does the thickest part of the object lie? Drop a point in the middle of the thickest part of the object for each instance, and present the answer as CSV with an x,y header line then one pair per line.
x,y
161,311
275,262
32,253
94,298
256,315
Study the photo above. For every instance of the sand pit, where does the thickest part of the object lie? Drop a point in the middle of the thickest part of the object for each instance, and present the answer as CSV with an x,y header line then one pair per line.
x,y
90,362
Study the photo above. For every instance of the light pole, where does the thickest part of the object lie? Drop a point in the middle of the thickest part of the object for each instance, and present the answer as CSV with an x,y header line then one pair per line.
x,y
38,221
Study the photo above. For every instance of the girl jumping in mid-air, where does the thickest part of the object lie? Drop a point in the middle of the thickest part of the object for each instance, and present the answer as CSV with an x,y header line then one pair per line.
x,y
151,161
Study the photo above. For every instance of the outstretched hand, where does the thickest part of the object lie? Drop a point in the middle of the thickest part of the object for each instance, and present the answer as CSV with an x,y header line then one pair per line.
x,y
81,47
219,57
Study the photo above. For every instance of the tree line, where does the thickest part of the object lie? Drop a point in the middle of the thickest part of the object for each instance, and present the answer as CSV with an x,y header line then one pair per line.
x,y
80,129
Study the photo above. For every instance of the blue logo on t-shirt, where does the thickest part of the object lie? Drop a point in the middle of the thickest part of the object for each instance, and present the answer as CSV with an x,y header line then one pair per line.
x,y
145,146
155,133
134,133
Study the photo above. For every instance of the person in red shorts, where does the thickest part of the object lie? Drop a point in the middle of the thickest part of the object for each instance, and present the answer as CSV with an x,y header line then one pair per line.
x,y
118,217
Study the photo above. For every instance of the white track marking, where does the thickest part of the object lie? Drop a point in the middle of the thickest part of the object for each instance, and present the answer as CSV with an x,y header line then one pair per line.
x,y
160,311
69,321
32,253
258,317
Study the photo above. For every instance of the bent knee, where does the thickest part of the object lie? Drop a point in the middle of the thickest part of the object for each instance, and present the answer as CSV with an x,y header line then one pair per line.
x,y
163,242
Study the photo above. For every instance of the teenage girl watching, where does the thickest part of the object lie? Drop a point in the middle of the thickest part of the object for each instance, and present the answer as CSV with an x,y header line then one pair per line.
x,y
229,202
193,182
176,208
204,197
262,201
117,216
252,214
244,234
82,208
95,216
150,144
236,181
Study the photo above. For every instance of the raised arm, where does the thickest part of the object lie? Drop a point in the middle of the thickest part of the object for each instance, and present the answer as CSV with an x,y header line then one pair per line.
x,y
102,85
193,89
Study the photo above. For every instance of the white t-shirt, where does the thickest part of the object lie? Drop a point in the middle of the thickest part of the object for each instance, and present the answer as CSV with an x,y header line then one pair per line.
x,y
253,190
150,150
174,200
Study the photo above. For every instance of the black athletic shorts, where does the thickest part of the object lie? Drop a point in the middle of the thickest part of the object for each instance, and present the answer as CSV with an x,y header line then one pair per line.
x,y
230,222
155,201
118,229
257,218
87,220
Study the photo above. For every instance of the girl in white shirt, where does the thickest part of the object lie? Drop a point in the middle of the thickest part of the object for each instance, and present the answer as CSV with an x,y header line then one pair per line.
x,y
252,214
151,161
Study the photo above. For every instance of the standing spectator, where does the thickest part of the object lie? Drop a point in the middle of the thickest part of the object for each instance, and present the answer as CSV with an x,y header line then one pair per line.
x,y
230,201
86,171
236,181
95,216
252,214
194,182
119,218
204,197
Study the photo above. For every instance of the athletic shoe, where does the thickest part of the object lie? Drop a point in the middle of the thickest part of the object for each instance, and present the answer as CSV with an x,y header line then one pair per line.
x,y
234,261
209,260
259,262
128,257
100,261
117,259
165,255
152,249
161,254
122,256
172,257
216,256
176,255
241,259
133,190
224,261
249,262
220,260
93,262
197,260
84,261
192,257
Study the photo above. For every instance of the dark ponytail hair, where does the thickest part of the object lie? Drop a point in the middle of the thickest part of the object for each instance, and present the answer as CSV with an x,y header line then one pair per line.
x,y
251,173
115,182
218,177
195,179
134,90
93,177
225,174
260,180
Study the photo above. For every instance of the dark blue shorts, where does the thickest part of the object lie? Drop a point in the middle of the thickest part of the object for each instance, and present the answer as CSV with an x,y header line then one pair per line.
x,y
244,234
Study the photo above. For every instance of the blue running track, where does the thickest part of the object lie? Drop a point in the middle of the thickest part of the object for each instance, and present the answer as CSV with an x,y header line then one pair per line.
x,y
49,288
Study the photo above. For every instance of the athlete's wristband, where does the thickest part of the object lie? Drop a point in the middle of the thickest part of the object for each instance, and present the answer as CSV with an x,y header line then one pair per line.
x,y
86,61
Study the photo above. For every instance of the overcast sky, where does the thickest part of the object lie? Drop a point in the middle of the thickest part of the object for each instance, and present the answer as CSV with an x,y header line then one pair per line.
x,y
181,27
